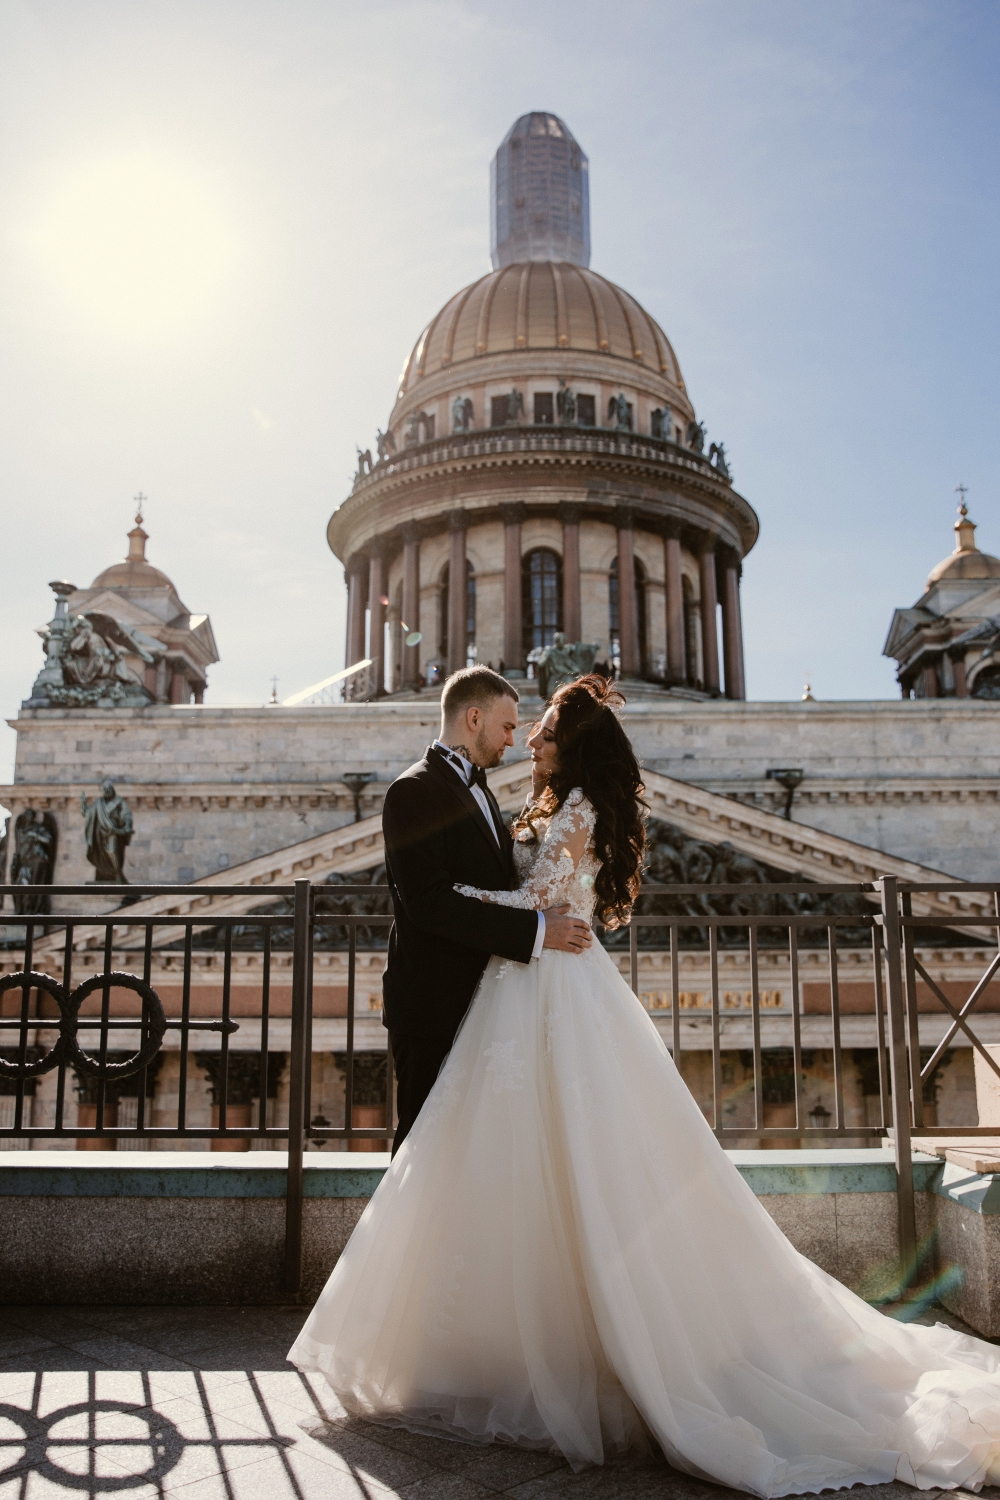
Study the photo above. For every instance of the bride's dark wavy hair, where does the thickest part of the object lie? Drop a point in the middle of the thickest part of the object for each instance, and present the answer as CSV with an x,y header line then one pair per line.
x,y
595,754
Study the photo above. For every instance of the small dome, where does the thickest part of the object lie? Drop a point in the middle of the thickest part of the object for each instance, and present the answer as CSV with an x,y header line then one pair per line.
x,y
540,305
132,574
135,572
966,562
966,565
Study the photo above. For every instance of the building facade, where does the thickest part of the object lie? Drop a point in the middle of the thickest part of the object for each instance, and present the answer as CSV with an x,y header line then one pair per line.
x,y
543,470
948,644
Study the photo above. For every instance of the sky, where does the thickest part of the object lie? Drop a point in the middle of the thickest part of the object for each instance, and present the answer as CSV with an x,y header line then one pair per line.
x,y
223,226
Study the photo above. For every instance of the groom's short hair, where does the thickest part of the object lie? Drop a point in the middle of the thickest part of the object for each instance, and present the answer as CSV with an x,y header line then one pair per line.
x,y
474,687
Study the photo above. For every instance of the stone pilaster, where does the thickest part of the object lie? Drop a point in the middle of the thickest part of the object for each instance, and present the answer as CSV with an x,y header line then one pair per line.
x,y
411,602
628,618
674,599
570,517
709,630
457,585
513,623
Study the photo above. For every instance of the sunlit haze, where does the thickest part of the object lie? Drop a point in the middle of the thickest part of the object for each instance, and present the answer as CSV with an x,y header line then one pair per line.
x,y
223,226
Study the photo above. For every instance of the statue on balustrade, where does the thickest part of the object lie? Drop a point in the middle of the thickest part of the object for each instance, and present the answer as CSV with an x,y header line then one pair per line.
x,y
620,413
566,406
108,831
420,429
85,660
461,414
515,407
385,443
662,423
563,662
696,435
33,860
364,462
717,455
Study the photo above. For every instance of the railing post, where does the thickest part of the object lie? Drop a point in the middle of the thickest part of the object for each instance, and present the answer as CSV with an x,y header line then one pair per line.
x,y
900,1076
301,955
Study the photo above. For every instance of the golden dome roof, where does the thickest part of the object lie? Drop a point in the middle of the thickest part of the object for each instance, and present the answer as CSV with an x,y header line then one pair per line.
x,y
966,562
539,305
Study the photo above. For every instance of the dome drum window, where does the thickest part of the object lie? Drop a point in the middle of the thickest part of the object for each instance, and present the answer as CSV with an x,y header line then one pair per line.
x,y
542,595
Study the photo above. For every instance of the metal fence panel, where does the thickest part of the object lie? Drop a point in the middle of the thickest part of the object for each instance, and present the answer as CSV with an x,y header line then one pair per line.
x,y
52,1030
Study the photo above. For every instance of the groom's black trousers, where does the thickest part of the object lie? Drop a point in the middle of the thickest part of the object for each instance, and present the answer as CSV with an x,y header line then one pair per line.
x,y
417,1064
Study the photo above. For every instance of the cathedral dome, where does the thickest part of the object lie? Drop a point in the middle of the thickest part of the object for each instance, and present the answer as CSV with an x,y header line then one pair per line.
x,y
541,306
542,446
966,562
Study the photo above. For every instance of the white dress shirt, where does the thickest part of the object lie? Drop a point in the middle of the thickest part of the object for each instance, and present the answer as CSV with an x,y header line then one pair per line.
x,y
464,768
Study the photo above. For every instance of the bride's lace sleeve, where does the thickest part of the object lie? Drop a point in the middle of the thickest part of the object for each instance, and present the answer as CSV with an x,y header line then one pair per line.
x,y
560,872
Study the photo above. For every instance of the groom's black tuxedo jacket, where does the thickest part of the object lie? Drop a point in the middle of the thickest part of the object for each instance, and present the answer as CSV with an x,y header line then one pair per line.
x,y
440,942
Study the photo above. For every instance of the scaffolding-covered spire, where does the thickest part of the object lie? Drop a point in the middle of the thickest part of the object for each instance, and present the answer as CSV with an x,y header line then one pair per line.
x,y
539,194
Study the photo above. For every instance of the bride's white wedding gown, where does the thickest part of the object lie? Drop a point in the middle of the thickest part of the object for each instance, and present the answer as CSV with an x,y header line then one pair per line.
x,y
561,1255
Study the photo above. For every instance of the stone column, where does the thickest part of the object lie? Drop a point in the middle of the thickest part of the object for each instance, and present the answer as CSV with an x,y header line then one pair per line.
x,y
570,515
930,682
376,609
457,583
732,625
357,591
709,633
628,619
958,668
674,591
411,603
180,692
513,622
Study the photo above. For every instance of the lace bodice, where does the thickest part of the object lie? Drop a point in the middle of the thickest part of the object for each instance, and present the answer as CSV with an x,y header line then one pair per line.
x,y
557,866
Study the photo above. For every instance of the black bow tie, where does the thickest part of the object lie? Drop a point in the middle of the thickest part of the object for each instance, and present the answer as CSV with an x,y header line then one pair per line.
x,y
477,777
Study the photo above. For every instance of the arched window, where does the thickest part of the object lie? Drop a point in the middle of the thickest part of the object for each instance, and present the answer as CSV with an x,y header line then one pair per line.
x,y
613,613
541,595
470,613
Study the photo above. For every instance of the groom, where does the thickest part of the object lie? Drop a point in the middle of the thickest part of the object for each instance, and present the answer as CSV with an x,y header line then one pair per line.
x,y
442,827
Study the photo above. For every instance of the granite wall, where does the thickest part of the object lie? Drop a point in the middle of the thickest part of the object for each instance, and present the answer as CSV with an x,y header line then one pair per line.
x,y
212,787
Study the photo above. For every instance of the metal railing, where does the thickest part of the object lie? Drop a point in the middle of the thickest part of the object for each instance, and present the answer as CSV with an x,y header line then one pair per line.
x,y
49,1020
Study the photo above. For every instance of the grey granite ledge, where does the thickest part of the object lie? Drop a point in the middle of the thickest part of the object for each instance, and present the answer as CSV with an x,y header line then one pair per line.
x,y
261,1174
183,1174
972,1190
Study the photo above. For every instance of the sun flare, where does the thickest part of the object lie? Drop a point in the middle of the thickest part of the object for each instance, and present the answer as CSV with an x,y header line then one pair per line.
x,y
135,245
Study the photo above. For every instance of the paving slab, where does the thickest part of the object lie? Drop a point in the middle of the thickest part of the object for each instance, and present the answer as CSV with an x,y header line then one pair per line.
x,y
201,1404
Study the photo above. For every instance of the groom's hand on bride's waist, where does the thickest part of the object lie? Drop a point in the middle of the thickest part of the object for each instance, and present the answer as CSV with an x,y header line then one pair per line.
x,y
567,934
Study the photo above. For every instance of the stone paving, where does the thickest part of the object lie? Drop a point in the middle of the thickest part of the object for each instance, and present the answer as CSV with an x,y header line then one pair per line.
x,y
151,1401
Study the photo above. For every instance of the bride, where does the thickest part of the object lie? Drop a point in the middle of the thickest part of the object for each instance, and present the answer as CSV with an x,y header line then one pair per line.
x,y
562,1256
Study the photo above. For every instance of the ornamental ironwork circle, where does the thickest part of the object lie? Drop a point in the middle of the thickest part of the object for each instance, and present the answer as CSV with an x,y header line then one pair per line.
x,y
67,1048
55,1054
162,1441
